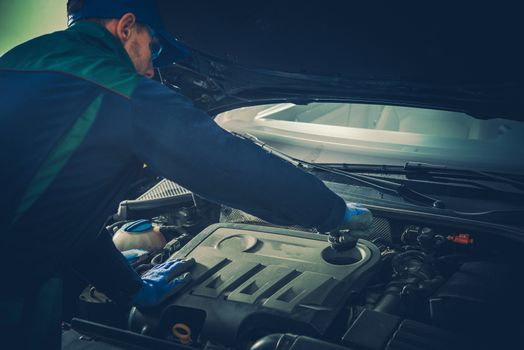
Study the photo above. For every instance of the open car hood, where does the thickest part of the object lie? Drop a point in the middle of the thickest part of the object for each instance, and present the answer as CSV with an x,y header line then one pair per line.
x,y
455,57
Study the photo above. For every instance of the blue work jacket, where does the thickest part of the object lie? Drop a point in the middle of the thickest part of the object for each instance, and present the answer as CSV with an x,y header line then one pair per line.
x,y
77,124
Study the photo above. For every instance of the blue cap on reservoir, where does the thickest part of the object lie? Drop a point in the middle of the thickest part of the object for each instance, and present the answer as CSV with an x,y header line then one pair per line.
x,y
138,226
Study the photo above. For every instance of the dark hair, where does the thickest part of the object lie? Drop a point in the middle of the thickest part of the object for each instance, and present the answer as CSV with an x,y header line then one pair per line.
x,y
75,5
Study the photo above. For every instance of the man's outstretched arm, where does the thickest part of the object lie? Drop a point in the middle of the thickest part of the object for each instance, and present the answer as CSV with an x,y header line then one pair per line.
x,y
184,144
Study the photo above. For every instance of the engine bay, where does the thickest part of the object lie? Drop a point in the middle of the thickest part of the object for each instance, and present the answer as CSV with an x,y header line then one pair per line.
x,y
250,277
410,285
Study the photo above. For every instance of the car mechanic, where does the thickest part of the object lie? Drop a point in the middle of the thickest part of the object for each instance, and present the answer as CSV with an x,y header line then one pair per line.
x,y
80,116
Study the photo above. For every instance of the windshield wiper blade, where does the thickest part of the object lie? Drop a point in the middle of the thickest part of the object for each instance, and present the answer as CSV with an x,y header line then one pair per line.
x,y
379,184
367,168
386,186
432,172
416,168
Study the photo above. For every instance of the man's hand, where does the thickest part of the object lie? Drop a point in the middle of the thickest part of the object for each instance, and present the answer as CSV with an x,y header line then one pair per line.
x,y
356,218
162,281
356,224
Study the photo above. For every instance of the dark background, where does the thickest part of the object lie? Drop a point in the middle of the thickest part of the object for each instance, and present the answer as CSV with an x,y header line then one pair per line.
x,y
426,41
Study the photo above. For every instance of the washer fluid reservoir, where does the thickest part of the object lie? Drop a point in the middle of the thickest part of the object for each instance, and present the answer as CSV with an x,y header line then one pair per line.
x,y
140,234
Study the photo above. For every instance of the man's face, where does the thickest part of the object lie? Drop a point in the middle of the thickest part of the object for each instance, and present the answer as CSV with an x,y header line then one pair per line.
x,y
138,49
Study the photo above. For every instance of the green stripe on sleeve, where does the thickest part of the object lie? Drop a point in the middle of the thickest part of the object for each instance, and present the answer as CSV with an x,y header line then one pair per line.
x,y
58,157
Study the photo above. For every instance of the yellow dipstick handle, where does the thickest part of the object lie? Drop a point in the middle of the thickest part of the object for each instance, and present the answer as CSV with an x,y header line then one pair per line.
x,y
182,332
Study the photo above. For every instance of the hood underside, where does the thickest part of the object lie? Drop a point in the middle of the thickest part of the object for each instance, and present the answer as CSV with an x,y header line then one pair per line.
x,y
461,57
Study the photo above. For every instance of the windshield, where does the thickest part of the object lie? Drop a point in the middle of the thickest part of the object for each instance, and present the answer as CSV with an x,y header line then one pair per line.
x,y
382,134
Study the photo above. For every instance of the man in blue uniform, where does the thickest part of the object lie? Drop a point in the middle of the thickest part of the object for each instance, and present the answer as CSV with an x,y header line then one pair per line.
x,y
79,117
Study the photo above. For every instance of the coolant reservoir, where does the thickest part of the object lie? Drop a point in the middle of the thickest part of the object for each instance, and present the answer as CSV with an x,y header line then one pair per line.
x,y
140,234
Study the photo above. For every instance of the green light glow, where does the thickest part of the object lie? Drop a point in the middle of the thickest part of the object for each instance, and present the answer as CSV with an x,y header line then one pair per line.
x,y
27,19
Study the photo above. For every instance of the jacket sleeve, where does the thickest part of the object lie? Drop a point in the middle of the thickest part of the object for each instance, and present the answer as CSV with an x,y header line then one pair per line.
x,y
106,268
184,144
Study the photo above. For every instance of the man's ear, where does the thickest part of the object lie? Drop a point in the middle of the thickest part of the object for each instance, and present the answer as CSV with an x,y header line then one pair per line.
x,y
125,27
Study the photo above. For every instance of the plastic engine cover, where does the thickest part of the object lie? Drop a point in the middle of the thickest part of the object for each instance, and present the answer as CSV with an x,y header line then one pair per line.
x,y
253,280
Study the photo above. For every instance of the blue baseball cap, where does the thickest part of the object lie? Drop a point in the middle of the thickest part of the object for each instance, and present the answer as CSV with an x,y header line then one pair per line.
x,y
146,13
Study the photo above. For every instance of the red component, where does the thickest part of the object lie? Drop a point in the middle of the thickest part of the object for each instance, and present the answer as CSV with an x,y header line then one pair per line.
x,y
461,238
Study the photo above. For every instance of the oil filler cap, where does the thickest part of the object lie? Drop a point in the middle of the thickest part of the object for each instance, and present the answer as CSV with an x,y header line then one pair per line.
x,y
346,257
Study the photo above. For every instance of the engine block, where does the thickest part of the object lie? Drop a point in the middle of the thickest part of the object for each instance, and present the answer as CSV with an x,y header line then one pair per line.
x,y
249,277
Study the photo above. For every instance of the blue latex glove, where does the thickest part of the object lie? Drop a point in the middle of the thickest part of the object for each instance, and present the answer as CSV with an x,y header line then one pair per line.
x,y
355,224
162,281
356,218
